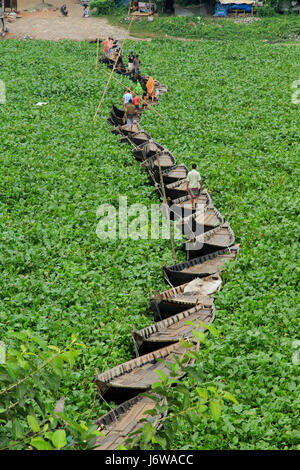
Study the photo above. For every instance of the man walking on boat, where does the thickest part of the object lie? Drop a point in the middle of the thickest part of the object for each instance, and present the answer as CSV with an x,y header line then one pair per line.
x,y
194,185
130,112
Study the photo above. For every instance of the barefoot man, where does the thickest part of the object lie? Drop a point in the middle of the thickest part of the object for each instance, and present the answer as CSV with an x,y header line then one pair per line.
x,y
194,185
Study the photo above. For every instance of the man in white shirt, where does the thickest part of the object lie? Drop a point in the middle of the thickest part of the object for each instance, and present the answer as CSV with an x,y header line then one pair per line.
x,y
194,185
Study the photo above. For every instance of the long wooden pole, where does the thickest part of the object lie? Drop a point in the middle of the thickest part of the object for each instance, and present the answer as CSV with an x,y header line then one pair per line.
x,y
113,69
97,53
104,93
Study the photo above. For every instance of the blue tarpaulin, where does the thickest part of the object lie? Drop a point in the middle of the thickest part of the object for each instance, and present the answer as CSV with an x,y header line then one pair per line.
x,y
223,10
120,2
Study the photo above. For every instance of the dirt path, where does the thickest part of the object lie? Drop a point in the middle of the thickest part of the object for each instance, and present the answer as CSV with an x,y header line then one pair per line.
x,y
50,24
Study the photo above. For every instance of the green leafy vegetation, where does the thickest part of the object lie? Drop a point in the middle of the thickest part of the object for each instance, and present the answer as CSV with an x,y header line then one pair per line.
x,y
58,277
280,27
32,371
179,405
229,109
103,7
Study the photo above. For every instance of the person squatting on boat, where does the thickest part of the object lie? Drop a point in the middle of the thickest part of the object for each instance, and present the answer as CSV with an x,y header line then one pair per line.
x,y
194,185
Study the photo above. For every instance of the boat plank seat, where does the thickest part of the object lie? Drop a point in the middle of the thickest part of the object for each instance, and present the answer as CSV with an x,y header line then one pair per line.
x,y
138,138
183,205
179,298
172,329
175,173
118,423
136,375
213,240
204,219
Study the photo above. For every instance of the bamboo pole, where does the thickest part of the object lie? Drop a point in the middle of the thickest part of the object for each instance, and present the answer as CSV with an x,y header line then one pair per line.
x,y
113,69
97,53
104,93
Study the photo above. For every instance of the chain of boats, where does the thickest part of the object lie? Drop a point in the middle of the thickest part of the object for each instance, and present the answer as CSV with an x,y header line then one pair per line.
x,y
194,282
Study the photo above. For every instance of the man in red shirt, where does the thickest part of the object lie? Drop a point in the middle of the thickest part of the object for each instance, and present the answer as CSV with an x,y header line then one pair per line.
x,y
136,101
105,46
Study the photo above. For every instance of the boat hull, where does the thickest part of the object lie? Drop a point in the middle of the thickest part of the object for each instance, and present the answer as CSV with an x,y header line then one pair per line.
x,y
136,376
202,266
172,329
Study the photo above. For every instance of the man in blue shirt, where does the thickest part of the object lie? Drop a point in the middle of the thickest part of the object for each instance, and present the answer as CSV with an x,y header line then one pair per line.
x,y
127,97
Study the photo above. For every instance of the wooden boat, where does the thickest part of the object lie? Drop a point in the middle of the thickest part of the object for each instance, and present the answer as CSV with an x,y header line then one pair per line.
x,y
105,59
117,115
199,267
147,150
182,298
214,240
118,121
151,149
118,112
161,89
109,58
153,102
139,137
172,329
118,423
133,377
176,173
122,70
163,159
182,207
124,130
203,220
109,119
176,190
137,151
